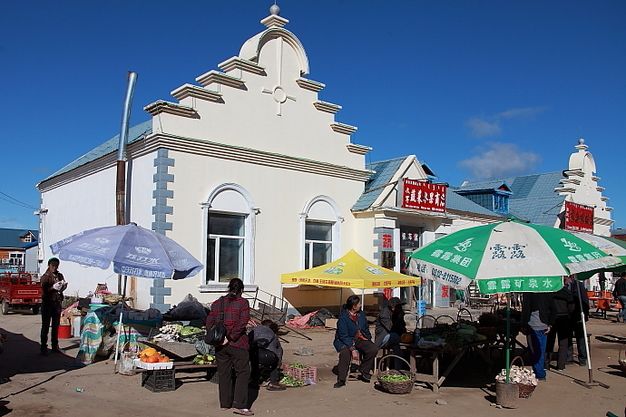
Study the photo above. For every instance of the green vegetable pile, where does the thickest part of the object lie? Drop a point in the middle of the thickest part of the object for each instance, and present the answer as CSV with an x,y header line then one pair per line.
x,y
187,331
395,378
297,365
203,359
290,381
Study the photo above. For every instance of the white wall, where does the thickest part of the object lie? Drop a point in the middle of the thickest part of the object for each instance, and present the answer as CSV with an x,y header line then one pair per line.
x,y
279,195
87,203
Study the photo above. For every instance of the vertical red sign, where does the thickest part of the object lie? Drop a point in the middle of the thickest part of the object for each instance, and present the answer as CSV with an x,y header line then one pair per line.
x,y
387,241
578,218
423,195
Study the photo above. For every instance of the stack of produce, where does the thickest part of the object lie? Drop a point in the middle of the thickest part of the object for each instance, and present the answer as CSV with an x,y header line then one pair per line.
x,y
176,332
151,355
203,359
518,375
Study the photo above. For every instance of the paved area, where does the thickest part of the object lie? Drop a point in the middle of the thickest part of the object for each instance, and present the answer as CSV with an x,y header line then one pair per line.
x,y
55,386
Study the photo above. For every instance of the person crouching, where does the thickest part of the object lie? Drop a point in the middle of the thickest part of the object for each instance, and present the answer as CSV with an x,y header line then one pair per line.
x,y
353,337
266,354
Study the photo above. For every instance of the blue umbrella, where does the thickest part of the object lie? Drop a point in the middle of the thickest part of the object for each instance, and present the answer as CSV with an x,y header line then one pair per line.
x,y
133,250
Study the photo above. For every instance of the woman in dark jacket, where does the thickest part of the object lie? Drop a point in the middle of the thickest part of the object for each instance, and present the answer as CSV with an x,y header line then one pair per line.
x,y
353,335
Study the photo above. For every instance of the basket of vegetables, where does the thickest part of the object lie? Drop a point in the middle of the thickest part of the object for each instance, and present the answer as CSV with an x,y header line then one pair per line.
x,y
301,372
523,377
395,381
291,382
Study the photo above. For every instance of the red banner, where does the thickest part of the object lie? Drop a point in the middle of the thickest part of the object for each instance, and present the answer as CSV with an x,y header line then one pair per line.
x,y
578,218
423,195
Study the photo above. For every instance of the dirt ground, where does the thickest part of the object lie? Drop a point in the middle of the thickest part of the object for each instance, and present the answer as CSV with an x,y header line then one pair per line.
x,y
55,386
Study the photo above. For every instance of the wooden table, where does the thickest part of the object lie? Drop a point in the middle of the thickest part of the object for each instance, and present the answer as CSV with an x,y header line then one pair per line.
x,y
434,354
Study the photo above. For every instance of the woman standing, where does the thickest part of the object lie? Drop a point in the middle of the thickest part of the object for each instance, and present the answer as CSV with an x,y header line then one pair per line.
x,y
353,336
233,355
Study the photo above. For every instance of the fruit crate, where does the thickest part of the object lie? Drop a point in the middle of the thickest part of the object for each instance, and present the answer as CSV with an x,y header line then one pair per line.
x,y
153,366
307,374
161,380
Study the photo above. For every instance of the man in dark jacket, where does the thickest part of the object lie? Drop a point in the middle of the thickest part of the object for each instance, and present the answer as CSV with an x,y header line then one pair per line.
x,y
538,315
562,328
619,293
390,325
579,292
266,354
53,284
353,336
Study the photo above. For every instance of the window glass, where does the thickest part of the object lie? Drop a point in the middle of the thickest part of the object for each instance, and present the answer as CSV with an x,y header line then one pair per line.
x,y
231,259
318,231
226,224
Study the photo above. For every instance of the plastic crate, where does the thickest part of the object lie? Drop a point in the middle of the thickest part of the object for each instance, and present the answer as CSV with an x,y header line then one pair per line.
x,y
161,380
307,374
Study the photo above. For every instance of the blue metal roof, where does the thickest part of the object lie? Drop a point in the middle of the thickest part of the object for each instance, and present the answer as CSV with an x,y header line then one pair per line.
x,y
134,134
382,175
534,198
11,238
484,185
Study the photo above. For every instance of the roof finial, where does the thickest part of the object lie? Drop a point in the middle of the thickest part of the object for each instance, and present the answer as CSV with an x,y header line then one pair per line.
x,y
274,20
581,144
581,140
274,9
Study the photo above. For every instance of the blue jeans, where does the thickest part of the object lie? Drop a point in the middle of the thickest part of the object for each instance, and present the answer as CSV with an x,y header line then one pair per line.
x,y
538,340
622,312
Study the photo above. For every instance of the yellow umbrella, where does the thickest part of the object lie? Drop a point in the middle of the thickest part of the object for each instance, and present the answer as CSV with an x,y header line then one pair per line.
x,y
350,271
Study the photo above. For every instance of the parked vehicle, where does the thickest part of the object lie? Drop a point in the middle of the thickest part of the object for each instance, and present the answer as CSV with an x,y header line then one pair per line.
x,y
19,291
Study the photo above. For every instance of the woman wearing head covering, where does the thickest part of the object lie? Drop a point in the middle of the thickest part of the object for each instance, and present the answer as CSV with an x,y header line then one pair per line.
x,y
232,356
390,325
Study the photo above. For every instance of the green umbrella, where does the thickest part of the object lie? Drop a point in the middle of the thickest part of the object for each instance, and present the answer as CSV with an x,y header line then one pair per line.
x,y
507,257
614,247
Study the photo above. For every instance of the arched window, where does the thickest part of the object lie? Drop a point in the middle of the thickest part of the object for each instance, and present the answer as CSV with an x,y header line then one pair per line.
x,y
320,226
230,219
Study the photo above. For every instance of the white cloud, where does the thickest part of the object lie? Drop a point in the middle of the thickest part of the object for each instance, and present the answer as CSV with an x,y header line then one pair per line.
x,y
500,160
521,112
482,127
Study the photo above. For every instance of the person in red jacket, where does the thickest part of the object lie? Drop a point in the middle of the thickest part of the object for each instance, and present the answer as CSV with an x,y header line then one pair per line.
x,y
233,354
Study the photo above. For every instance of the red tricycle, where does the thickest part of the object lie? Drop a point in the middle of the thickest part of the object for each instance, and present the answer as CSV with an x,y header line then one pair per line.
x,y
19,291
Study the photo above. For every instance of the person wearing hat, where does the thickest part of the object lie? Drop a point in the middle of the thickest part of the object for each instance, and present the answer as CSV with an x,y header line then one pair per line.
x,y
390,325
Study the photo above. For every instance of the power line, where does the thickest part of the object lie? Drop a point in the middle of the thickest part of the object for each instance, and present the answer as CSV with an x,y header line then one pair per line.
x,y
13,200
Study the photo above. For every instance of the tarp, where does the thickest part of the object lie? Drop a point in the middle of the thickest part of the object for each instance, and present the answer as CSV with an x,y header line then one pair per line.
x,y
350,271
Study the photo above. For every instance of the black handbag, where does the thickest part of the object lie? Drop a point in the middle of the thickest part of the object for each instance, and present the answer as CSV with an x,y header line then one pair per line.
x,y
217,333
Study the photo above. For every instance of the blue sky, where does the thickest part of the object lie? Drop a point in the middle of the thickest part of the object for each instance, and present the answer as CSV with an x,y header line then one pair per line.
x,y
473,88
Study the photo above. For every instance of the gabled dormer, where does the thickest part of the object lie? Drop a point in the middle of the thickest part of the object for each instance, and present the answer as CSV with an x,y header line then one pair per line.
x,y
492,195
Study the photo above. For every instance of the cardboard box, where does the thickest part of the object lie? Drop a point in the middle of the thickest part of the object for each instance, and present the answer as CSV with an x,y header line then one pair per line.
x,y
331,323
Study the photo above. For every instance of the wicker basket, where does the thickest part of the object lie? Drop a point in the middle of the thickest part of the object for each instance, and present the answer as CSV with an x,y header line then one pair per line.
x,y
307,374
403,387
525,390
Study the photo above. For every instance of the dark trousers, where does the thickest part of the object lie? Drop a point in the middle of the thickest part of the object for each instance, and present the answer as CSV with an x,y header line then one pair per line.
x,y
562,330
233,393
368,351
50,313
264,364
579,336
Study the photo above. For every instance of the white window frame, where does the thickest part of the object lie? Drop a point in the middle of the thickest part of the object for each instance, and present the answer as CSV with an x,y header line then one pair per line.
x,y
218,239
312,242
249,236
336,229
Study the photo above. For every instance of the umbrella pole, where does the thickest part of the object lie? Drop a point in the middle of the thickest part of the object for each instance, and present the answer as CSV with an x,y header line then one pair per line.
x,y
507,354
119,324
363,298
590,383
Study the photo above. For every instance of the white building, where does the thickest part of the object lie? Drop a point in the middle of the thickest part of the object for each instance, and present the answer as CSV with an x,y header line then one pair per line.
x,y
251,172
